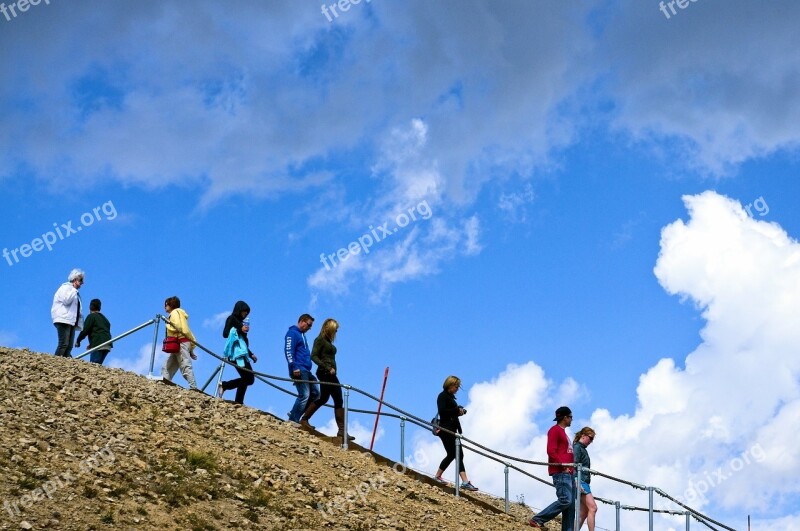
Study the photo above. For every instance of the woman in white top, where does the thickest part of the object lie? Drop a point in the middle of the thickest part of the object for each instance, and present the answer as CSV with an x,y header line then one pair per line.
x,y
66,312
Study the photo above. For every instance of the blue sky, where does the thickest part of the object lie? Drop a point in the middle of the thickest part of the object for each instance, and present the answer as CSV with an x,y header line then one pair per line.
x,y
604,201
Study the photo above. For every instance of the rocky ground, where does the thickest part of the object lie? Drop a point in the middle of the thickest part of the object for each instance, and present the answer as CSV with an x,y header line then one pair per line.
x,y
87,447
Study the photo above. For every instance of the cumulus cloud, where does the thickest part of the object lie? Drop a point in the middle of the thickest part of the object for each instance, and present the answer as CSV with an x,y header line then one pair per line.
x,y
711,81
712,431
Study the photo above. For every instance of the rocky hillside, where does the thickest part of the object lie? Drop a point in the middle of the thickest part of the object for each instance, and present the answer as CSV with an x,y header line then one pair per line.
x,y
88,447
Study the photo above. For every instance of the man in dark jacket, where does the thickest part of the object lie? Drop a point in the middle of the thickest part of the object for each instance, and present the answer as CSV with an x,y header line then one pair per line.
x,y
98,329
298,358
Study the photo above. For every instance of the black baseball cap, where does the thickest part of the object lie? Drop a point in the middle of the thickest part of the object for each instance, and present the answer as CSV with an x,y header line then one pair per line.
x,y
562,412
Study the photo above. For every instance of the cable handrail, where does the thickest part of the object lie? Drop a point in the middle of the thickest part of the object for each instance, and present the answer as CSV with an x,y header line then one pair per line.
x,y
404,415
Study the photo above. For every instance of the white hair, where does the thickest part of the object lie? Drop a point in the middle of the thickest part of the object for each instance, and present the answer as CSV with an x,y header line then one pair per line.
x,y
76,273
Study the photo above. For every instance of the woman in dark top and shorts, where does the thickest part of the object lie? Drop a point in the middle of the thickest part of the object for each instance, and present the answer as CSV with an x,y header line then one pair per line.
x,y
588,506
449,411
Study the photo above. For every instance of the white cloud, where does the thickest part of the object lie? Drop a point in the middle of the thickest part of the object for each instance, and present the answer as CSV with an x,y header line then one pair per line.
x,y
216,321
713,433
140,363
414,251
515,204
714,78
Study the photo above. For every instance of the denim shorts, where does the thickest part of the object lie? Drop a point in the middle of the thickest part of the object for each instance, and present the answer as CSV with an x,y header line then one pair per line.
x,y
585,488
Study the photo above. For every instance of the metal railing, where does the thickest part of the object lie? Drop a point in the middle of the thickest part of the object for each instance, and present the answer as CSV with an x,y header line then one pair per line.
x,y
474,446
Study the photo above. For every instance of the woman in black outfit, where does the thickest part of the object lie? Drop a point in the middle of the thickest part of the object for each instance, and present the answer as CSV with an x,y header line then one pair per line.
x,y
246,378
449,411
323,353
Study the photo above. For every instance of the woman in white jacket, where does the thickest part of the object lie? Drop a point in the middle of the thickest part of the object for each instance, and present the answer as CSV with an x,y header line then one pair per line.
x,y
66,312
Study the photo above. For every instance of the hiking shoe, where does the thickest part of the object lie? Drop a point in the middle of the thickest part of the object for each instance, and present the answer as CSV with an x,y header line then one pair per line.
x,y
440,480
469,486
534,523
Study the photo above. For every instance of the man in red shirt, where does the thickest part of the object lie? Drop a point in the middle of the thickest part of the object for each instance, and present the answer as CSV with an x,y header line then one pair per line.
x,y
559,450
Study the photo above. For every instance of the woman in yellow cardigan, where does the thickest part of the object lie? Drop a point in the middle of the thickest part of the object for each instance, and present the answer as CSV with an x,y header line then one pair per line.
x,y
178,326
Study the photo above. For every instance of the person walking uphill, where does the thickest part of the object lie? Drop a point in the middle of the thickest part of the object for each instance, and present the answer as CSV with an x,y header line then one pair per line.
x,y
449,411
66,312
559,450
324,355
98,329
178,326
299,360
237,351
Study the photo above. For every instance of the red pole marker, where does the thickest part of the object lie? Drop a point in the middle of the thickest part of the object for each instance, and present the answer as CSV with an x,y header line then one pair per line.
x,y
375,429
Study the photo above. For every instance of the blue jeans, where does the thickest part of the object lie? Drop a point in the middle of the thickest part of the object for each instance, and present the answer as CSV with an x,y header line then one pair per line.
x,y
98,356
304,392
564,505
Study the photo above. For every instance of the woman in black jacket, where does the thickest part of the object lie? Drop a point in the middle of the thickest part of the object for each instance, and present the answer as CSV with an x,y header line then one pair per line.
x,y
324,355
238,320
449,411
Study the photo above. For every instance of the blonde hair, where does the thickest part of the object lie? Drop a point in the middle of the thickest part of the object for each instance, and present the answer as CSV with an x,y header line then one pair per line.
x,y
586,430
329,329
451,380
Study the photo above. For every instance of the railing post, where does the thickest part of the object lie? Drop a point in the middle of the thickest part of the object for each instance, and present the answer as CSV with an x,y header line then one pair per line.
x,y
650,505
577,502
506,473
345,439
688,520
403,440
213,375
458,464
616,505
155,343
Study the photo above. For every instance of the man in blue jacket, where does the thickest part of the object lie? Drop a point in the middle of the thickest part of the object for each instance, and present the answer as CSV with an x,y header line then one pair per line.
x,y
298,356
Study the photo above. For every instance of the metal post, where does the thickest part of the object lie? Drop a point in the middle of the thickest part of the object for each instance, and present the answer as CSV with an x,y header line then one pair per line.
x,y
506,473
155,342
345,439
213,374
219,380
577,515
403,440
650,505
458,463
616,505
688,520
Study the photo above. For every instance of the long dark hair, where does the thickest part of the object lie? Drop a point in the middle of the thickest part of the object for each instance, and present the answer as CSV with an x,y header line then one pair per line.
x,y
234,320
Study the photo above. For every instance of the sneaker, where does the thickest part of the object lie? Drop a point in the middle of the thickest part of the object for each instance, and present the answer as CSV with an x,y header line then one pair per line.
x,y
440,480
469,486
534,523
295,424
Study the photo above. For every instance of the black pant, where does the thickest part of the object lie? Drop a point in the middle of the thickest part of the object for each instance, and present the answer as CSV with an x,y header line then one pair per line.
x,y
449,442
66,338
327,391
245,379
